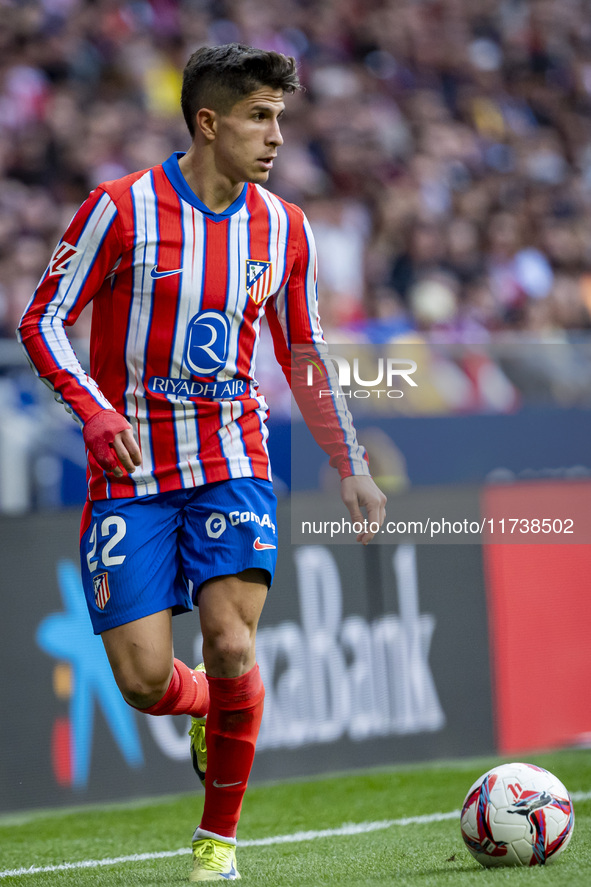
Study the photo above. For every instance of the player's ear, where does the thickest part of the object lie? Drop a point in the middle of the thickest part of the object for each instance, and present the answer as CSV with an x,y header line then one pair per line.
x,y
206,123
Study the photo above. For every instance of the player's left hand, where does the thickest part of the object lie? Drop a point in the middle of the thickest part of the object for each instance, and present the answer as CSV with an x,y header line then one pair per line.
x,y
360,491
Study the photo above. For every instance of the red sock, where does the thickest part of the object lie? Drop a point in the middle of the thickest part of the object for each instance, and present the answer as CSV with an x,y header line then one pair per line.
x,y
232,727
187,694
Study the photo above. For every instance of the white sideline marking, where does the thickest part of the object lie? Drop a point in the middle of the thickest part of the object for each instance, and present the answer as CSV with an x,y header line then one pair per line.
x,y
348,828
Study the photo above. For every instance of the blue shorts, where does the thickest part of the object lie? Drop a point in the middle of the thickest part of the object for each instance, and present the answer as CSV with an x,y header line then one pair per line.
x,y
149,553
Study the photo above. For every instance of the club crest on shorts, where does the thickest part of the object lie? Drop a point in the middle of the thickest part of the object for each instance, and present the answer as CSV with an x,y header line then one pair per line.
x,y
101,590
259,276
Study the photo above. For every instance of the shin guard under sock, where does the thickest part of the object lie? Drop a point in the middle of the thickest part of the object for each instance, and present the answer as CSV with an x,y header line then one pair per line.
x,y
231,730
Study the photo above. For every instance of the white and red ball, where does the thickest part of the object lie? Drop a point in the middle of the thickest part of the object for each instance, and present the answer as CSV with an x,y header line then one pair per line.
x,y
517,814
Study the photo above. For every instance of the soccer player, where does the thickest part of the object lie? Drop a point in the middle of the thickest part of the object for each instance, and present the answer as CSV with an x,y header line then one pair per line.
x,y
182,261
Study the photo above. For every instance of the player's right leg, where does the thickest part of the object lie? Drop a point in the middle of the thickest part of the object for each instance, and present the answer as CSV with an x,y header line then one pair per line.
x,y
149,678
133,583
141,658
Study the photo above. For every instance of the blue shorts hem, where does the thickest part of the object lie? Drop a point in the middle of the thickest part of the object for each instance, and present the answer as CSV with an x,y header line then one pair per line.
x,y
232,570
100,625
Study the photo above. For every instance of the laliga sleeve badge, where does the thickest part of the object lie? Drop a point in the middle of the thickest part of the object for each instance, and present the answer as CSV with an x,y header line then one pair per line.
x,y
61,258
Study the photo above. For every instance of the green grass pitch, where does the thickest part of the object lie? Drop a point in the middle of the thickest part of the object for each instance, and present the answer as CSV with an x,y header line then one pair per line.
x,y
417,854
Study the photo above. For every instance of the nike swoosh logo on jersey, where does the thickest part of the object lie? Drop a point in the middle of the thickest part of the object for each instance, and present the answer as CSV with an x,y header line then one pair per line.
x,y
261,546
156,274
226,784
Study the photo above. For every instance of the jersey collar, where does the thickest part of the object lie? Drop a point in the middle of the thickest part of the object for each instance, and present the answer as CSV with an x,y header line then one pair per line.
x,y
179,183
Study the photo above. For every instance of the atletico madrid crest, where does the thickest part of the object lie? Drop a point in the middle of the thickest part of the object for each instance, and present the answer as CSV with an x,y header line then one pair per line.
x,y
258,279
101,590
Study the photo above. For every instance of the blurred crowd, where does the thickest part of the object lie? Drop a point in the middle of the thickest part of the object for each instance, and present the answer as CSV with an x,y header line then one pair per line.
x,y
441,148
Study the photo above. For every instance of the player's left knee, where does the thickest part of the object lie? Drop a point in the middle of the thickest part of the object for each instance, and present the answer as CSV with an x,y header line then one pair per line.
x,y
230,653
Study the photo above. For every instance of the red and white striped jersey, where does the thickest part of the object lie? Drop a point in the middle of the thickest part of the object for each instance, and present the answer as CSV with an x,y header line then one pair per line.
x,y
178,294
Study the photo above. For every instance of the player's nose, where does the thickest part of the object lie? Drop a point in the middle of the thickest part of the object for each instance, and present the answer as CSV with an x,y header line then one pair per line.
x,y
274,136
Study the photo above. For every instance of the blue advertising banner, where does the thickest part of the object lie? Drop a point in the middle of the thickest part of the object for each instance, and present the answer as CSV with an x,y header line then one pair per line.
x,y
363,651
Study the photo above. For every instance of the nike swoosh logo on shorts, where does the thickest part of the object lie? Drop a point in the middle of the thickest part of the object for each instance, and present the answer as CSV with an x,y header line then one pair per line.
x,y
156,274
261,546
226,784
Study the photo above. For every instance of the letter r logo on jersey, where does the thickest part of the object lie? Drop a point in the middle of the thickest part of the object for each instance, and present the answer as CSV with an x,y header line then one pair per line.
x,y
61,258
206,346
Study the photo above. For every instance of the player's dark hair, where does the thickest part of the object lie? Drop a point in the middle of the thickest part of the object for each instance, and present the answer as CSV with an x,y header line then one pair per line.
x,y
216,77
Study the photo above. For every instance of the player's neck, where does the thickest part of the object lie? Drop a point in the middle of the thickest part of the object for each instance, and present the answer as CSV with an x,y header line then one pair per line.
x,y
215,191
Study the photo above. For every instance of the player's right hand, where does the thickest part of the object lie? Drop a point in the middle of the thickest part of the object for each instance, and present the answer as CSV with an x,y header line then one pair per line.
x,y
109,437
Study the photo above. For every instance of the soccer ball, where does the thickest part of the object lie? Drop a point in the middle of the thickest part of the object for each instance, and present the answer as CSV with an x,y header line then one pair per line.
x,y
517,814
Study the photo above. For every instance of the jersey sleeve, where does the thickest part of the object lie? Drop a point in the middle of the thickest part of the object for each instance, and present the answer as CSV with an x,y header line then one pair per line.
x,y
299,342
88,252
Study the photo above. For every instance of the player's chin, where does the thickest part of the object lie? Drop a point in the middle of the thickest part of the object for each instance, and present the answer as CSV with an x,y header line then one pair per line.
x,y
259,176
